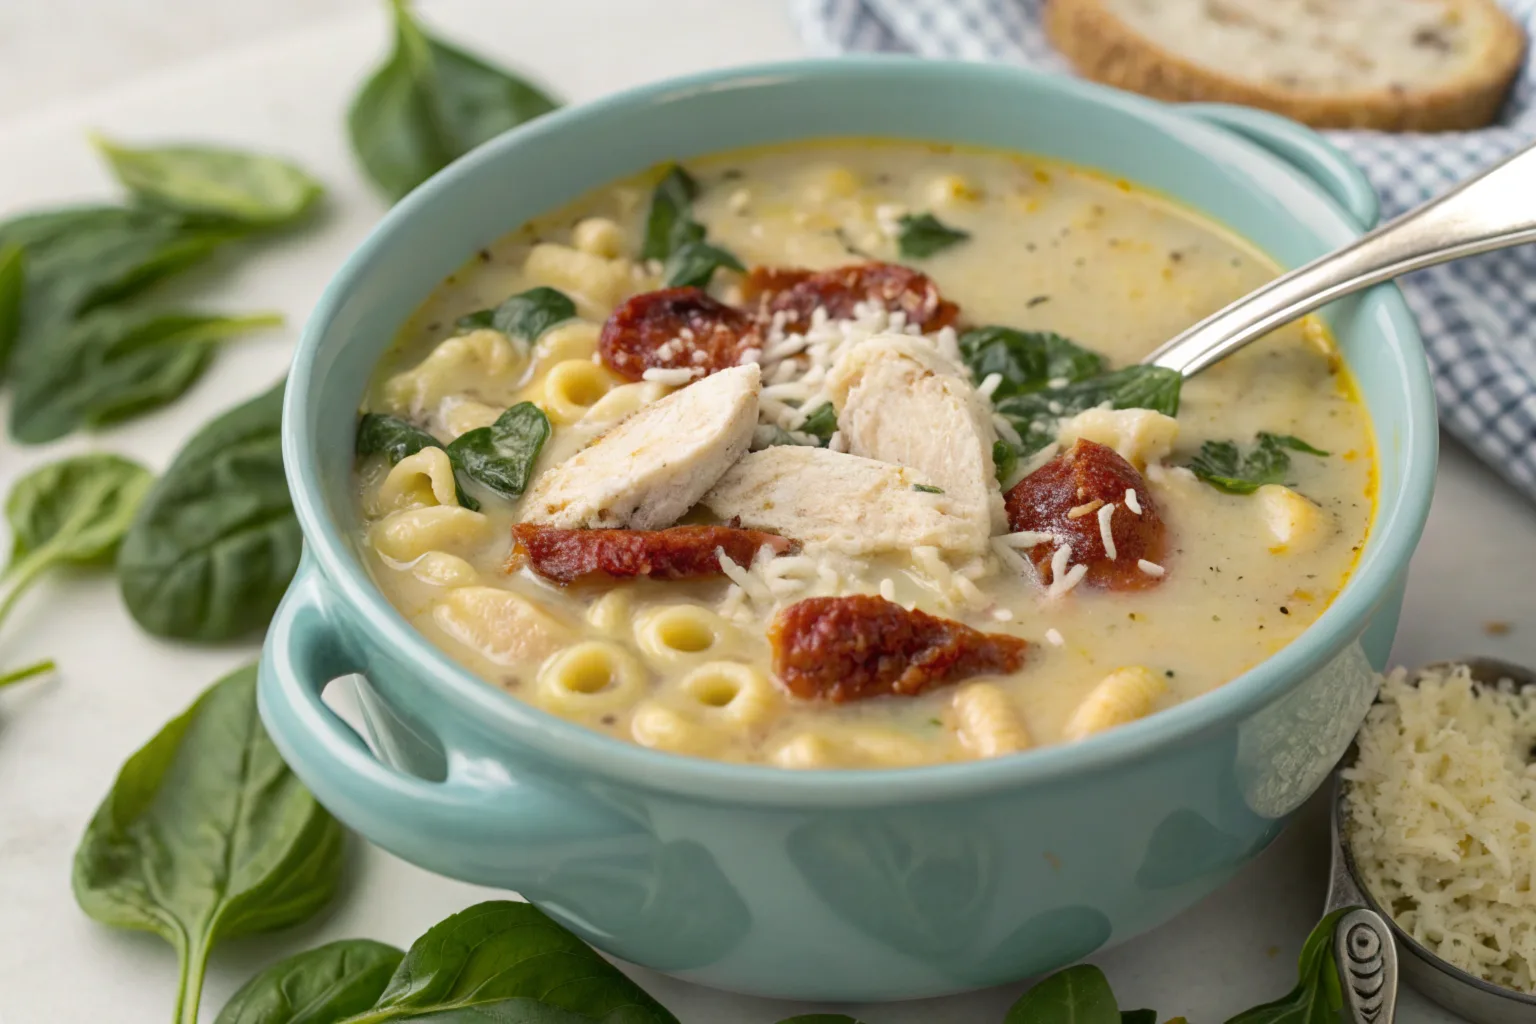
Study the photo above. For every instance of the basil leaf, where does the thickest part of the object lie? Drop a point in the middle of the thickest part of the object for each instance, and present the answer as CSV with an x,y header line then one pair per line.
x,y
215,543
670,223
320,986
821,423
1005,459
1077,995
501,456
1223,465
230,184
1026,360
12,285
1035,414
429,104
28,672
524,316
70,512
206,835
1316,999
694,263
111,365
394,438
921,235
506,961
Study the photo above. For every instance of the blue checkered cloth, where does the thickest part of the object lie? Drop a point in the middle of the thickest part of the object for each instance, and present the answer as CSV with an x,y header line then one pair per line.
x,y
1478,315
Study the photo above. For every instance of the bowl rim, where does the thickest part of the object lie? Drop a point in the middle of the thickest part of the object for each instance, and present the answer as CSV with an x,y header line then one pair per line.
x,y
1400,517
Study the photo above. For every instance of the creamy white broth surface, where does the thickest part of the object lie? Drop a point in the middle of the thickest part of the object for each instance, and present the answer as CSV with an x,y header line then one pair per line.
x,y
1051,248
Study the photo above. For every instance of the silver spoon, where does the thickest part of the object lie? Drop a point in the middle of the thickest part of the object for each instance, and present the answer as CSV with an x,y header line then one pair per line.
x,y
1494,210
1367,944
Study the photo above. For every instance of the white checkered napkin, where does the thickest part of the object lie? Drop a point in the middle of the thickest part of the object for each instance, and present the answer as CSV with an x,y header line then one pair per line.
x,y
1478,315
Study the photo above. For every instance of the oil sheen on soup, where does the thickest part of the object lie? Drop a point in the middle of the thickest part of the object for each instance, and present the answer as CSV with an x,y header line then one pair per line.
x,y
838,455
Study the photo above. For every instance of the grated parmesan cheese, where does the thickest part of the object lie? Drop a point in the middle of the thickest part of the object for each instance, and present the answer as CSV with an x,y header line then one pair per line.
x,y
671,377
1441,818
1106,531
1150,568
1132,502
1055,638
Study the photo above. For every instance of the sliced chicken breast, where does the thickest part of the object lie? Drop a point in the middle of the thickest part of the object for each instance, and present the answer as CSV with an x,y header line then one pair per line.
x,y
898,400
654,466
857,505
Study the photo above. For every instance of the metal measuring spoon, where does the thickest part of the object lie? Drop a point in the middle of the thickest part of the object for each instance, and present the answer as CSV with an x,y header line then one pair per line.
x,y
1494,210
1367,943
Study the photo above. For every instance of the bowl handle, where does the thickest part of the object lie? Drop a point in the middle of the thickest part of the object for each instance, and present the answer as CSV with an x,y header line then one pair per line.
x,y
1303,149
478,824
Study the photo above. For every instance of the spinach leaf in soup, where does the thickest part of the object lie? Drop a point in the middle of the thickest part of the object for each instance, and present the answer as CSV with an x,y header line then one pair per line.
x,y
1036,414
114,364
1077,995
508,961
670,224
1225,467
502,455
694,264
395,439
431,103
207,835
232,185
12,286
215,543
319,986
73,512
1005,460
1026,361
821,423
921,235
524,316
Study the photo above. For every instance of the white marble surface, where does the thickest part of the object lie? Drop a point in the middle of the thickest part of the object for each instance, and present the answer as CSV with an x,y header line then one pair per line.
x,y
276,75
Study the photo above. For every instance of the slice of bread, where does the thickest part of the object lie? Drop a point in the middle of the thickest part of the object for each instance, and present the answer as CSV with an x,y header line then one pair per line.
x,y
1393,65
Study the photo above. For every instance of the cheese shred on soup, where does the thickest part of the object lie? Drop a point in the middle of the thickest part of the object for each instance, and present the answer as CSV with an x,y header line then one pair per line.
x,y
838,455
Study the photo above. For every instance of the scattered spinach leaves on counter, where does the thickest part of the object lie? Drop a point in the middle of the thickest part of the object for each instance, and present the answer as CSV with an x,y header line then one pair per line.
x,y
1026,361
1225,467
27,672
501,456
524,316
320,986
821,423
230,185
429,104
395,439
1035,414
113,364
73,512
1317,998
672,235
12,286
207,835
694,264
921,235
1077,995
215,543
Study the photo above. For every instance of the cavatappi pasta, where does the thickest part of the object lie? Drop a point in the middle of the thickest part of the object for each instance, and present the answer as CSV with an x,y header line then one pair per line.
x,y
923,486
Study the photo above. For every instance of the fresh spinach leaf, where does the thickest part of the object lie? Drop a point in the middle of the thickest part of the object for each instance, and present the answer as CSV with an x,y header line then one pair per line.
x,y
27,672
506,961
1005,459
670,225
215,543
694,264
395,439
72,512
921,235
524,316
110,365
227,184
206,835
12,286
1026,360
320,986
501,456
1035,414
1225,467
429,104
821,423
1316,999
1077,995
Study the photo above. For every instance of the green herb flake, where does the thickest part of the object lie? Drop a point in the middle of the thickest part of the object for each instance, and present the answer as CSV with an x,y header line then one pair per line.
x,y
821,423
1225,467
502,455
670,224
232,185
693,264
927,489
921,235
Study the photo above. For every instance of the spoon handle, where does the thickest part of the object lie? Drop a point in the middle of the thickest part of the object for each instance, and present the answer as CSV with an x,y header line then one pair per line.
x,y
1366,958
1494,210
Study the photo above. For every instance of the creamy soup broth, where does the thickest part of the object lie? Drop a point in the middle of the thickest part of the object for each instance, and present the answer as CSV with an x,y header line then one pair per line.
x,y
1051,248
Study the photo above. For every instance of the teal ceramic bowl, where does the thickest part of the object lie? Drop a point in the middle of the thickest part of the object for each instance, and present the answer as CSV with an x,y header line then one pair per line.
x,y
848,885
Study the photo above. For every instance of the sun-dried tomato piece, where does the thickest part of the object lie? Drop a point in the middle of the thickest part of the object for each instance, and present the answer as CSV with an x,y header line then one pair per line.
x,y
1066,497
849,648
675,328
676,553
799,293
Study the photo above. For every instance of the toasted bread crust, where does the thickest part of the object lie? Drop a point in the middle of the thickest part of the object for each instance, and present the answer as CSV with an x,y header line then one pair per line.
x,y
1102,47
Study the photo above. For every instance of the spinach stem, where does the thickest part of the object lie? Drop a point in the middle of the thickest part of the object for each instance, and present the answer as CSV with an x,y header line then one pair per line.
x,y
189,989
26,571
46,665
